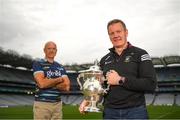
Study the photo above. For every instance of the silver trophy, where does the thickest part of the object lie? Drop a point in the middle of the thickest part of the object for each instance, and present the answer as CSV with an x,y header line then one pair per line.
x,y
90,82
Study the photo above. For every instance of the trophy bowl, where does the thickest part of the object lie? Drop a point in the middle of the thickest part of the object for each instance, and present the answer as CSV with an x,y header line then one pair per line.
x,y
90,82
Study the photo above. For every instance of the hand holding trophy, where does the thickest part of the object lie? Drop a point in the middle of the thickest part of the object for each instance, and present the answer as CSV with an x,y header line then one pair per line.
x,y
90,82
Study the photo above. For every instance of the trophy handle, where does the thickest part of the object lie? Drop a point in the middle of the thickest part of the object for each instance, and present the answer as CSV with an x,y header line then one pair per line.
x,y
106,89
78,80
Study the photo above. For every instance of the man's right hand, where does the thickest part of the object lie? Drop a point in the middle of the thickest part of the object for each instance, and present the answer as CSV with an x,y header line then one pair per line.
x,y
64,85
60,80
82,106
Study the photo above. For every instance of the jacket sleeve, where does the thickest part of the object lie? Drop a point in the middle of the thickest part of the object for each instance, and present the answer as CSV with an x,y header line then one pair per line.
x,y
146,80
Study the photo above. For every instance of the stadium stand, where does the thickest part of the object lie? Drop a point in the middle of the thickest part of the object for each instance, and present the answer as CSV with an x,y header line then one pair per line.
x,y
149,98
72,99
178,99
15,100
164,99
16,81
17,85
168,75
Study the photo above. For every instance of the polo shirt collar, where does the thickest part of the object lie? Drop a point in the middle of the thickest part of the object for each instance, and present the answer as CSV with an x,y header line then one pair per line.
x,y
113,49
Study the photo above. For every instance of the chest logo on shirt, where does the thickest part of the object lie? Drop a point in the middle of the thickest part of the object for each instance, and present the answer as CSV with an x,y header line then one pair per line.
x,y
127,59
60,68
46,68
56,73
108,62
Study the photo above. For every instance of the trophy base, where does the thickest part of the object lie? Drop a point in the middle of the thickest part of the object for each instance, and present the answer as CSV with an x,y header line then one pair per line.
x,y
91,109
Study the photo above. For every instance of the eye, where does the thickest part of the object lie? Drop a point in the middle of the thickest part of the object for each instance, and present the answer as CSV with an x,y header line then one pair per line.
x,y
112,33
118,31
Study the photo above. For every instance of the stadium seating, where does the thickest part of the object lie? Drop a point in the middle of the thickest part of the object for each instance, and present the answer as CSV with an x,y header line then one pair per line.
x,y
164,99
15,100
16,75
178,100
17,85
72,99
149,99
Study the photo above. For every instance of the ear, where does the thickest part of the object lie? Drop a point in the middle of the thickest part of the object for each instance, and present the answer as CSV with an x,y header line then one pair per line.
x,y
126,32
44,50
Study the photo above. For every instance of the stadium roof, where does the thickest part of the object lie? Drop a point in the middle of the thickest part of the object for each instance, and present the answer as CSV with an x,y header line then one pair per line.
x,y
166,61
158,61
13,59
171,60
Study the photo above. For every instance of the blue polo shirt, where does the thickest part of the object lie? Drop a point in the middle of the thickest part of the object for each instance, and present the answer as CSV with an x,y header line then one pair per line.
x,y
50,70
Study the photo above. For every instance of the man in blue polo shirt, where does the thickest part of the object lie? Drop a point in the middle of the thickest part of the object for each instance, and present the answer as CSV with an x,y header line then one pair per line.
x,y
51,79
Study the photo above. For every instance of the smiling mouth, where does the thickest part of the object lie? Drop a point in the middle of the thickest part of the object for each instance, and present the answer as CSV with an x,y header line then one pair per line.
x,y
117,39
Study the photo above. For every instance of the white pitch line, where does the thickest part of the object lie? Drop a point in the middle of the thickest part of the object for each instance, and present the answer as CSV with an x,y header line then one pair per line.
x,y
165,115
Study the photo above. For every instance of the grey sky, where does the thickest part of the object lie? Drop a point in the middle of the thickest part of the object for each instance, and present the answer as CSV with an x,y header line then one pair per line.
x,y
79,26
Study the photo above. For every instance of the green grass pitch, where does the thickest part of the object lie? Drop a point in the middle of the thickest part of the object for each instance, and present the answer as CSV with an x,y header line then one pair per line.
x,y
71,112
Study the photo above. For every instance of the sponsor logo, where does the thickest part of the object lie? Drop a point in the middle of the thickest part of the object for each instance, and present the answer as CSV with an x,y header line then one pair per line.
x,y
108,62
46,67
59,68
53,73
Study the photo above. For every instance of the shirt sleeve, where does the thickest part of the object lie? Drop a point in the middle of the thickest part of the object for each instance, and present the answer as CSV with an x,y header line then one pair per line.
x,y
63,72
37,68
146,80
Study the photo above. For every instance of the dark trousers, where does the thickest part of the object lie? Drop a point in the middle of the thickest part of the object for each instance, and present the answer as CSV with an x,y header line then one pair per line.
x,y
127,113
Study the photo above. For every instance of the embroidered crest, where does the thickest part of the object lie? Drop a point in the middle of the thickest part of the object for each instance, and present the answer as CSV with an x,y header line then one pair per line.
x,y
127,59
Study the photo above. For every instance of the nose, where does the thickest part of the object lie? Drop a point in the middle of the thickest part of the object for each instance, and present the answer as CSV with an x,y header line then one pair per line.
x,y
116,34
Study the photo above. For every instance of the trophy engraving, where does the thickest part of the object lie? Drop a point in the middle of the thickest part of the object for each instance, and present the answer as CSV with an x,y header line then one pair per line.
x,y
90,82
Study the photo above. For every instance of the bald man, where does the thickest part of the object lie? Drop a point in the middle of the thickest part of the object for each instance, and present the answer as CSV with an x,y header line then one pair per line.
x,y
51,79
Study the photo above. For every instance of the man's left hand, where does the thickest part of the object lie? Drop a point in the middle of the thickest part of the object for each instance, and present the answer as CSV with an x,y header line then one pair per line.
x,y
65,85
113,77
